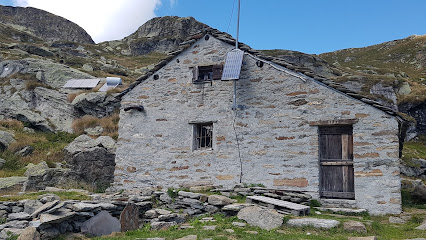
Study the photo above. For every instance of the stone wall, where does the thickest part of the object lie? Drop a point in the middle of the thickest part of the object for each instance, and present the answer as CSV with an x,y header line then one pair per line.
x,y
276,130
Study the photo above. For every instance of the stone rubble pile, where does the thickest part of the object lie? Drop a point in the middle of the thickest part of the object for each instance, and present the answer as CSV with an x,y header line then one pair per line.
x,y
49,217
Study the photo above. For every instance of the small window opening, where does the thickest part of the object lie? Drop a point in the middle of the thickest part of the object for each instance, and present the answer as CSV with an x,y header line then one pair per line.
x,y
203,136
203,74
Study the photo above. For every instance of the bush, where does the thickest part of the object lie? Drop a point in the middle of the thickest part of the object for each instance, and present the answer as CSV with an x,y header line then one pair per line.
x,y
109,124
11,124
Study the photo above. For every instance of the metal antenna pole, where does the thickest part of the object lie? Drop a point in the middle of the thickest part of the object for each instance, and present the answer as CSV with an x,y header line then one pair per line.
x,y
234,107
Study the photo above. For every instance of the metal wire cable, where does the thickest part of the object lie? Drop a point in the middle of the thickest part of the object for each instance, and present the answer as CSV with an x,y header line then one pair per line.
x,y
232,14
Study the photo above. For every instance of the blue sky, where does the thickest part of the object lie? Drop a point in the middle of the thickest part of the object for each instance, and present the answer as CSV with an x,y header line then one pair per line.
x,y
310,26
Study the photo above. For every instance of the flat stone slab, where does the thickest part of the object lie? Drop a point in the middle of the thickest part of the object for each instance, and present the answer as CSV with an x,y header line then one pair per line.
x,y
84,207
57,217
264,218
422,227
363,238
235,207
44,208
293,208
313,222
343,210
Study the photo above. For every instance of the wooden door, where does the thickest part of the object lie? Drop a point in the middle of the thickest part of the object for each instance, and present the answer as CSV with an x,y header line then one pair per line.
x,y
336,162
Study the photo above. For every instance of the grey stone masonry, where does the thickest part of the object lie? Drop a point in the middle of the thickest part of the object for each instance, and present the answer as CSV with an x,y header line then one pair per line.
x,y
272,139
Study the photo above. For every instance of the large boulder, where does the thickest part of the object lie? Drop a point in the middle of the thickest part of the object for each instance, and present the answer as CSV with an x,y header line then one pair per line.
x,y
92,159
12,183
419,192
264,218
6,138
101,224
98,104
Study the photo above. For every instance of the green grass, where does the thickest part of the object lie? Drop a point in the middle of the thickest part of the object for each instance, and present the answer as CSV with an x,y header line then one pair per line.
x,y
34,195
376,226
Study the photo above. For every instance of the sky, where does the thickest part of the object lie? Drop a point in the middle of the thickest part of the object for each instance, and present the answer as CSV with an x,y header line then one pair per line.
x,y
309,26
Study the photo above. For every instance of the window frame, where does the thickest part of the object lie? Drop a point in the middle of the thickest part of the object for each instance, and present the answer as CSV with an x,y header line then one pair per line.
x,y
214,72
198,136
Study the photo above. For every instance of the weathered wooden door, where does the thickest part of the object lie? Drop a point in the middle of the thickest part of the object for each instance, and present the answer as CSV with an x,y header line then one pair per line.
x,y
336,162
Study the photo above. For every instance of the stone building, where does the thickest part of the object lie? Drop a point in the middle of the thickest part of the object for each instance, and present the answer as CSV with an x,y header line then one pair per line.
x,y
178,128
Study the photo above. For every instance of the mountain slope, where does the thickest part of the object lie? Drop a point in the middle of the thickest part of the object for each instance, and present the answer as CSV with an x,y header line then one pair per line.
x,y
44,25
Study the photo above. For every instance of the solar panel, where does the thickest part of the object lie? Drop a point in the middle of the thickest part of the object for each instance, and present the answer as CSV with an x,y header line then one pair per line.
x,y
82,83
232,68
111,82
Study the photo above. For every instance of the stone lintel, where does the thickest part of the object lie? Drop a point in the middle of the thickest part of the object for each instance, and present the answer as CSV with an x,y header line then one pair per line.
x,y
202,121
333,122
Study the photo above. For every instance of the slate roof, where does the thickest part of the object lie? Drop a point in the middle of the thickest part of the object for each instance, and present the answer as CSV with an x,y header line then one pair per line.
x,y
225,37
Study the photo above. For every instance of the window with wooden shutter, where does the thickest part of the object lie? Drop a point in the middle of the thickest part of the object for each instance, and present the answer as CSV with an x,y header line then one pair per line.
x,y
201,74
336,162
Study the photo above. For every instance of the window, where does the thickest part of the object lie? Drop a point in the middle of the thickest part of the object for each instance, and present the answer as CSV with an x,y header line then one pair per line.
x,y
203,136
336,162
202,74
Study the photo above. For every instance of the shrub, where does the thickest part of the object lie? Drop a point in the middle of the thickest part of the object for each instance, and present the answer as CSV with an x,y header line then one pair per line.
x,y
32,84
11,124
109,124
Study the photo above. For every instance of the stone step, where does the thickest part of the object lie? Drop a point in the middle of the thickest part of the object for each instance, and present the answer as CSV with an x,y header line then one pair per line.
x,y
280,205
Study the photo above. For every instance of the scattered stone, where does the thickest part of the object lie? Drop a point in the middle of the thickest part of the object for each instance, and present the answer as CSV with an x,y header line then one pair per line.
x,y
186,226
28,130
44,207
129,217
162,225
151,213
236,206
211,227
189,195
252,232
229,230
314,222
38,169
162,211
239,224
189,237
83,207
264,218
422,227
58,216
6,138
2,162
354,226
27,150
397,220
211,209
96,131
101,224
166,198
29,233
18,216
54,189
219,200
343,210
48,197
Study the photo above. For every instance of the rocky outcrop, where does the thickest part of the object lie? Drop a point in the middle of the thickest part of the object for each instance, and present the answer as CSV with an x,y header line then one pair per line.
x,y
43,106
93,160
162,34
418,112
44,25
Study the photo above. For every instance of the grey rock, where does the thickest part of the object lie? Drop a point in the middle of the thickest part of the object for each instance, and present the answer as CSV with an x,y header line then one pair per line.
x,y
48,197
6,138
162,211
96,104
259,217
397,220
2,162
314,222
38,169
166,198
95,131
239,224
93,160
354,226
56,217
189,194
167,217
50,233
211,209
219,200
31,205
27,150
343,210
189,237
422,226
7,233
235,207
29,233
162,225
18,224
419,191
18,216
107,206
151,213
101,224
44,207
17,209
210,227
84,207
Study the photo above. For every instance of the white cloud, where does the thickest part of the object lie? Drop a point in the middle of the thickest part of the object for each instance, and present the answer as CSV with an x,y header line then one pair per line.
x,y
103,19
